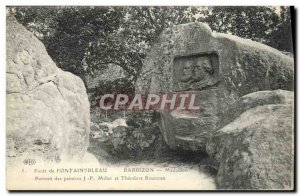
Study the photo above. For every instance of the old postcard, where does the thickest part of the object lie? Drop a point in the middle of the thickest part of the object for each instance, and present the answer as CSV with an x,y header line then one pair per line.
x,y
150,98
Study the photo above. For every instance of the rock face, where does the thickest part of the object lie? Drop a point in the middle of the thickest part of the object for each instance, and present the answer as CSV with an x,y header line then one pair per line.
x,y
256,150
47,108
253,100
218,68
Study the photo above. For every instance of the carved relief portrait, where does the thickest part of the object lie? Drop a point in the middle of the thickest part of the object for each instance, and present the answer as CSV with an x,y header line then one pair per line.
x,y
194,72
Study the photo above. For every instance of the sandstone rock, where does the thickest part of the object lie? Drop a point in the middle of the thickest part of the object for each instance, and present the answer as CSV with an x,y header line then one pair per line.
x,y
253,100
256,150
218,68
243,66
189,130
47,108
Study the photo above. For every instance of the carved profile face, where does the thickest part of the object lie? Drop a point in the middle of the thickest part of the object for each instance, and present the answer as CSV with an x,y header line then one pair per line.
x,y
202,69
195,72
187,72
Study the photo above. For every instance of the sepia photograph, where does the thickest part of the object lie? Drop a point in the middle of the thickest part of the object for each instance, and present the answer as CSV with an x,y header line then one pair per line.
x,y
150,98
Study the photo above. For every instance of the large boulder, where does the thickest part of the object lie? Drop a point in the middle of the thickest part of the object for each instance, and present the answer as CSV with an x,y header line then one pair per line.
x,y
256,150
253,100
218,68
47,108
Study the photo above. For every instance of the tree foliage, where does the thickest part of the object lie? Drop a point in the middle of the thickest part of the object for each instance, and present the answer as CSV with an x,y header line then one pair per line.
x,y
260,23
84,39
281,37
74,35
